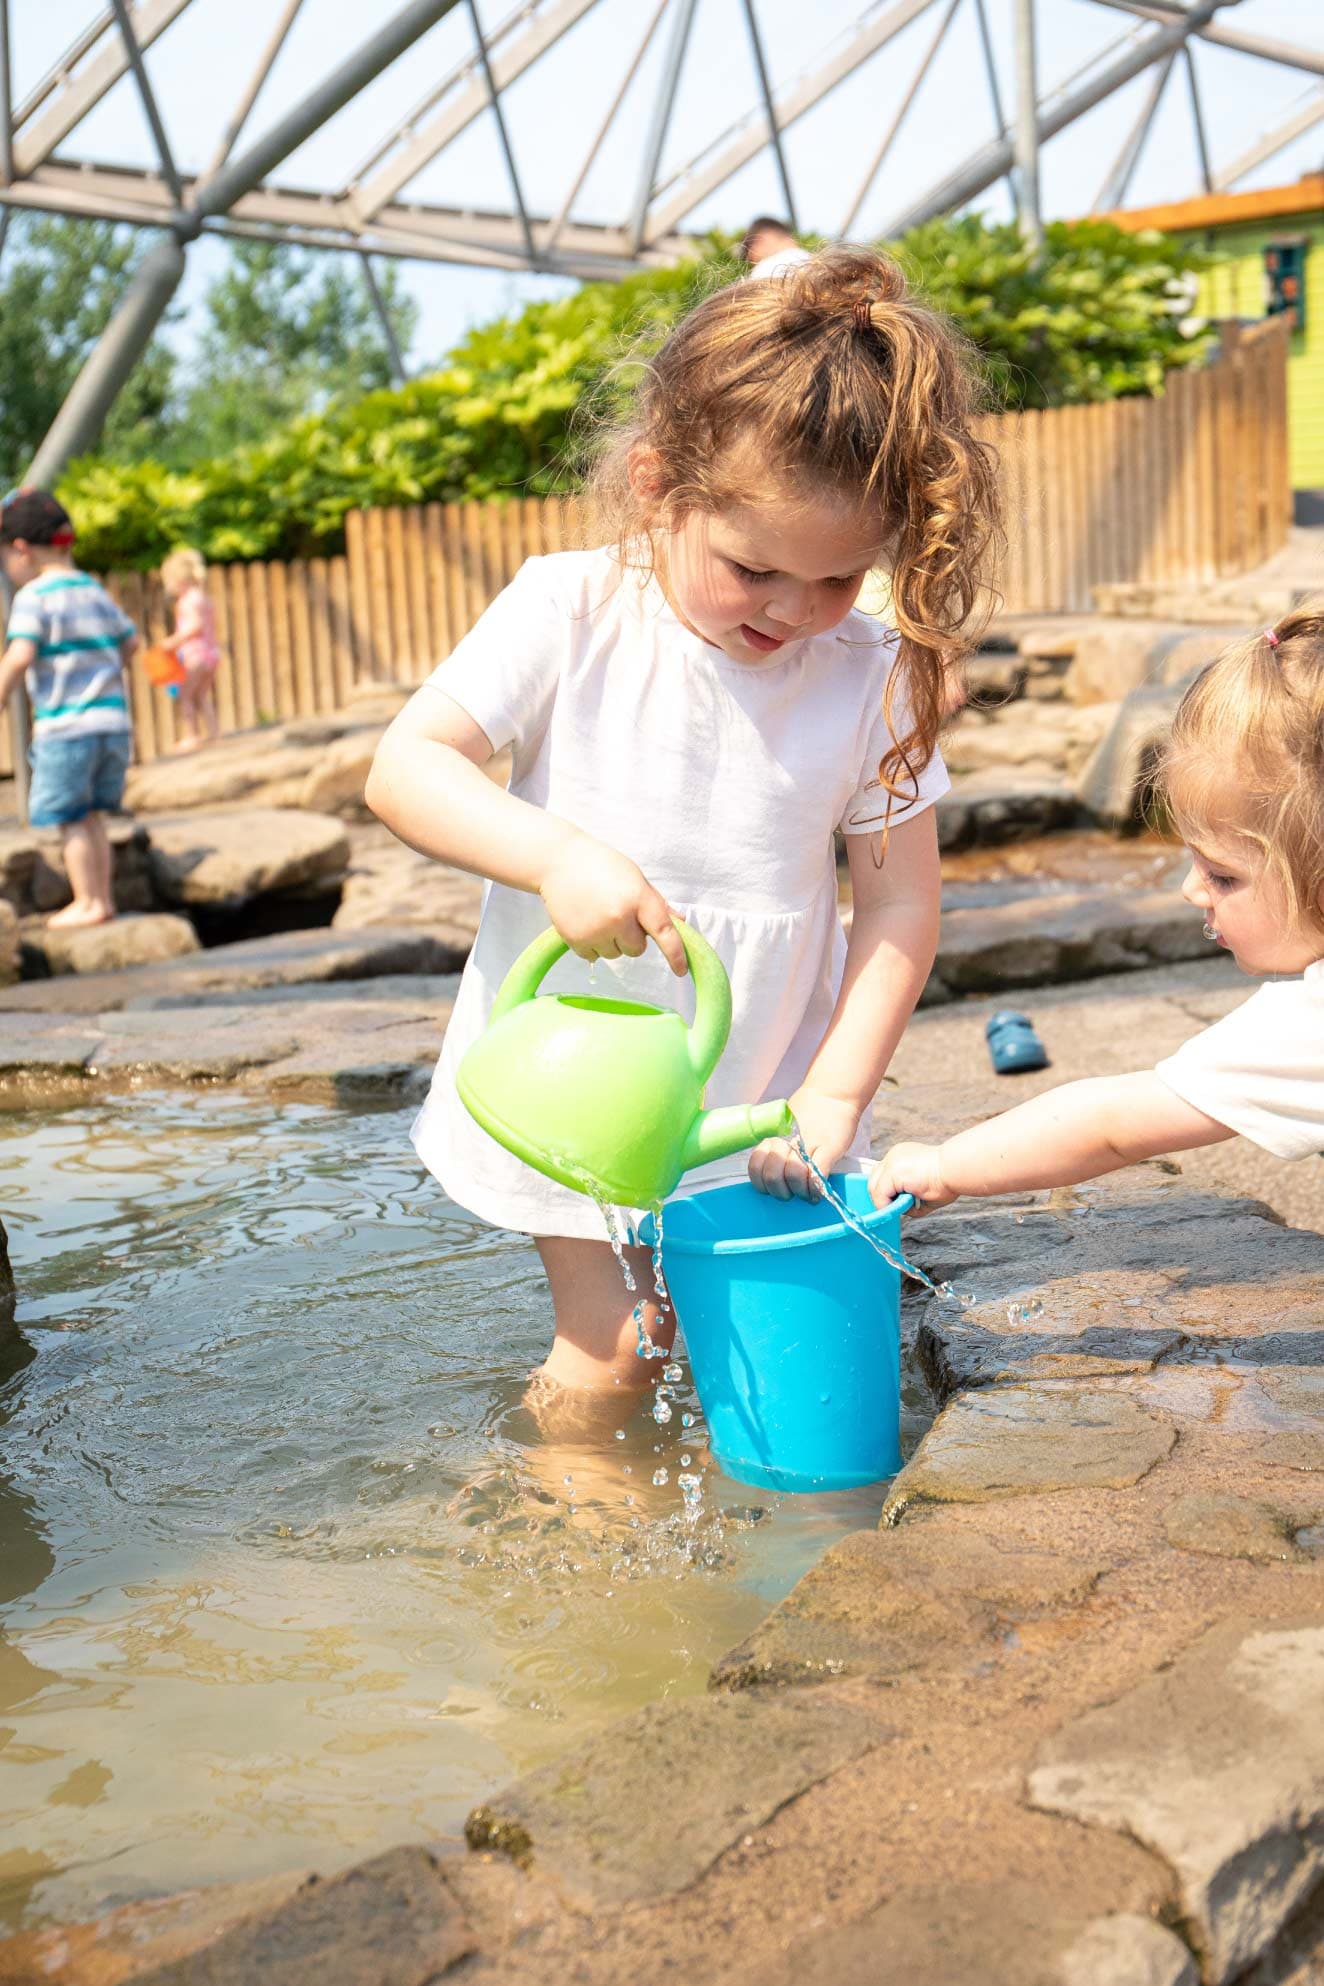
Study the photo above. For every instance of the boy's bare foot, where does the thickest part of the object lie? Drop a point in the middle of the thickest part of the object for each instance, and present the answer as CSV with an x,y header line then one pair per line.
x,y
187,745
77,915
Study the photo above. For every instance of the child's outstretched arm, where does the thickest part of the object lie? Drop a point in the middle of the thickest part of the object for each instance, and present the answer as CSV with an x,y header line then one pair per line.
x,y
1068,1134
893,938
427,784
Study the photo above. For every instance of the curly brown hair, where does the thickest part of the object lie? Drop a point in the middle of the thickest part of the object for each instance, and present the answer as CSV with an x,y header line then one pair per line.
x,y
1246,756
852,389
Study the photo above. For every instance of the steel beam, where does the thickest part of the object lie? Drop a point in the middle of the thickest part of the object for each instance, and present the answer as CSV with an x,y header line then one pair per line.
x,y
394,355
239,176
1293,55
554,229
34,143
765,90
1304,119
1197,119
6,101
890,135
436,234
1026,141
147,96
503,136
995,95
424,145
657,132
992,161
1122,170
265,64
80,420
697,180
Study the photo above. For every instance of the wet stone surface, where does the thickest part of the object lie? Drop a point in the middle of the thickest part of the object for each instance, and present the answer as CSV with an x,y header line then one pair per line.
x,y
737,1759
1217,1763
1021,1441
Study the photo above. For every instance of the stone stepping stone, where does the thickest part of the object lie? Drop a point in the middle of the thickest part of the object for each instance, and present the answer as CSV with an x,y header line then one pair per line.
x,y
146,939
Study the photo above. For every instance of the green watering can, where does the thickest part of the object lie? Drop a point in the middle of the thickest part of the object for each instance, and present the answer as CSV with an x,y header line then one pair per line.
x,y
606,1096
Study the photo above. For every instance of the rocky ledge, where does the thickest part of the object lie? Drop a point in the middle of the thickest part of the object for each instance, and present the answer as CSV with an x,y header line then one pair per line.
x,y
1056,1722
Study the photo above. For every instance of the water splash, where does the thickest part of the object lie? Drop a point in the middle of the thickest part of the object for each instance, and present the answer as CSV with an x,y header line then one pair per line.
x,y
943,1291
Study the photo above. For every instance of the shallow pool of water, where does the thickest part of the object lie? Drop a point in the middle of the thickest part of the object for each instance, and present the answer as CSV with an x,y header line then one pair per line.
x,y
288,1570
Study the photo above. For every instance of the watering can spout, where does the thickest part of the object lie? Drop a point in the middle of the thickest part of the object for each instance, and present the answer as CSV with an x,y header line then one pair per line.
x,y
717,1133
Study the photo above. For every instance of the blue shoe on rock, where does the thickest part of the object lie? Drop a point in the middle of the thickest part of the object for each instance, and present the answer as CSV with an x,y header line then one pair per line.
x,y
1013,1044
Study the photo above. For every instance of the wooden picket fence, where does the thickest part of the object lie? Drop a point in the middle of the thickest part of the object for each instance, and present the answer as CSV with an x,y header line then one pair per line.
x,y
1187,487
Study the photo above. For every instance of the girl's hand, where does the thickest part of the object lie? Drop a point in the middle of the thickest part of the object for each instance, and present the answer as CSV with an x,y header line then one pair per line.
x,y
914,1169
827,1125
604,906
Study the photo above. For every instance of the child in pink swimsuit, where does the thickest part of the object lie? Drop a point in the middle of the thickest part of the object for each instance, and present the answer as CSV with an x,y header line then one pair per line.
x,y
194,644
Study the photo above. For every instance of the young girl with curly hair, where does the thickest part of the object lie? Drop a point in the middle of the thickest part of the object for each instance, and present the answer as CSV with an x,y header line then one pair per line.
x,y
694,709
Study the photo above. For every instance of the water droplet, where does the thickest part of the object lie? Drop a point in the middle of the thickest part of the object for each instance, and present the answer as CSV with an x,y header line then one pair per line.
x,y
569,1479
687,1420
672,1372
823,1399
684,1461
627,1470
620,1434
661,1412
659,1477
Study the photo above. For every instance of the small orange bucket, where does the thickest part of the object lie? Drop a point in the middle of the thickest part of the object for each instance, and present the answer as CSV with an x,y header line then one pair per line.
x,y
162,667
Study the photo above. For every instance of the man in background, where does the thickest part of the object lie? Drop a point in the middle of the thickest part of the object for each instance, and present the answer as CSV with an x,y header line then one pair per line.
x,y
770,248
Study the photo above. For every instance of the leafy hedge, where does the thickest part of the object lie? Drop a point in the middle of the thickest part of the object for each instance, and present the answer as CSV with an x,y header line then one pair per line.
x,y
1094,320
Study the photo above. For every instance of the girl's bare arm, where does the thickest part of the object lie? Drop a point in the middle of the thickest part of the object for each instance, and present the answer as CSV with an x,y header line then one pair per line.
x,y
893,938
1067,1135
427,784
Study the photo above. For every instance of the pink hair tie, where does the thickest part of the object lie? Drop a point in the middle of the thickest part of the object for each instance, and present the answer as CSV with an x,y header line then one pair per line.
x,y
1271,637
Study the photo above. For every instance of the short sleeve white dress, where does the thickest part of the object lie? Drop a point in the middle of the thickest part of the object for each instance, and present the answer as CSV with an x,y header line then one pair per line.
x,y
723,780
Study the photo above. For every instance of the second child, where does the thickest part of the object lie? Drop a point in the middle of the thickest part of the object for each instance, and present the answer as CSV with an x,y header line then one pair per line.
x,y
694,709
1243,776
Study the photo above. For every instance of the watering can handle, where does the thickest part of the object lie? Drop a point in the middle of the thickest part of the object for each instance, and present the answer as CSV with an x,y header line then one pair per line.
x,y
712,991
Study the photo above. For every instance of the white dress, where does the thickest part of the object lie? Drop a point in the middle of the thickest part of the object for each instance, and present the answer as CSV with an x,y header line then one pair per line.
x,y
723,780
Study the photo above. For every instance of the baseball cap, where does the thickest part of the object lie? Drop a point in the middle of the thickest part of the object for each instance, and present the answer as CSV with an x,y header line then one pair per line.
x,y
36,517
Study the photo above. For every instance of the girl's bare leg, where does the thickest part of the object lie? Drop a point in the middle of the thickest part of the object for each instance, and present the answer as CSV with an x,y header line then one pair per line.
x,y
186,709
596,1335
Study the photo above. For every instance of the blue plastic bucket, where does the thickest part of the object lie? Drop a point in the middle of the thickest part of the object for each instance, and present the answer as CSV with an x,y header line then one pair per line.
x,y
793,1327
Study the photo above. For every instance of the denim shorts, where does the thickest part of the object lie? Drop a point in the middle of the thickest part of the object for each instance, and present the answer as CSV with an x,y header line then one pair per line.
x,y
75,777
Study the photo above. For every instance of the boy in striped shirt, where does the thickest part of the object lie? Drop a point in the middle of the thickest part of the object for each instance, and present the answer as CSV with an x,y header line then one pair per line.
x,y
72,642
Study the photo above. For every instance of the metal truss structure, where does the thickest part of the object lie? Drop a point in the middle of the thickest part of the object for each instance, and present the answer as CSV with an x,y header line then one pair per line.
x,y
370,213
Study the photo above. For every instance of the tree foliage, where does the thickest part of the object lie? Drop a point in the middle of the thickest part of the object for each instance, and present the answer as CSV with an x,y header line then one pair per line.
x,y
285,332
59,282
1098,318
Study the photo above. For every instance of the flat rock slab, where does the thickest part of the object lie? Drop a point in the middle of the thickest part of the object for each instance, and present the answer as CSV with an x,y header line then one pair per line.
x,y
734,1760
224,860
1245,1527
972,1935
1077,934
291,958
1217,1764
1020,1441
389,1922
146,939
883,1602
1114,1280
987,808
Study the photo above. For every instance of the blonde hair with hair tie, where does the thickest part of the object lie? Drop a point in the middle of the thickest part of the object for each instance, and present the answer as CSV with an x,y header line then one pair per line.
x,y
1246,756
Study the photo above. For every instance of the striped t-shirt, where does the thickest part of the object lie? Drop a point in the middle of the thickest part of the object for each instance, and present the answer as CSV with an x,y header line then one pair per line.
x,y
76,683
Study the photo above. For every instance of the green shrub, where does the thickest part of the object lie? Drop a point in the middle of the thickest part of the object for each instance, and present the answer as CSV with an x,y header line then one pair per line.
x,y
1097,318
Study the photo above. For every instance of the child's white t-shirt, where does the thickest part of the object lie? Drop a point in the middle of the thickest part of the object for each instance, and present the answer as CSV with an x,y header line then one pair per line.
x,y
1261,1070
723,780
